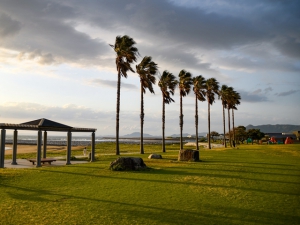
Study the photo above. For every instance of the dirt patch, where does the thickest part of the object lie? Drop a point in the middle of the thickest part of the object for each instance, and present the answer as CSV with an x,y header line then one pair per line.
x,y
33,148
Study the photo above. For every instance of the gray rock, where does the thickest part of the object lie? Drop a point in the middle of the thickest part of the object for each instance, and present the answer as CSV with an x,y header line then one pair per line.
x,y
154,156
128,163
188,155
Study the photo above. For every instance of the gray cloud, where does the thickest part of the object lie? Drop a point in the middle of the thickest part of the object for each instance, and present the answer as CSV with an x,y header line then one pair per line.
x,y
8,26
191,37
289,46
258,91
34,110
255,96
189,32
49,27
268,89
111,83
287,93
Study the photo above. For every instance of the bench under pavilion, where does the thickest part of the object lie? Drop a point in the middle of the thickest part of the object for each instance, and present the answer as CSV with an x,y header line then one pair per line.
x,y
41,125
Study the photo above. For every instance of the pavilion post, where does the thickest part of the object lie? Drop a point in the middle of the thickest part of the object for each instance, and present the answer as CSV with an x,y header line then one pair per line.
x,y
2,148
39,149
15,146
93,148
69,144
45,145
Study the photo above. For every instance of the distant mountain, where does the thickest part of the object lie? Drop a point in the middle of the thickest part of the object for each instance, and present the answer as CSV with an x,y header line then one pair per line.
x,y
278,128
178,135
137,134
187,134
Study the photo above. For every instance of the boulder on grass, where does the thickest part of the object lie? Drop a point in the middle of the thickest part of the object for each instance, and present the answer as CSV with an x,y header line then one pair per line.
x,y
188,155
128,163
154,156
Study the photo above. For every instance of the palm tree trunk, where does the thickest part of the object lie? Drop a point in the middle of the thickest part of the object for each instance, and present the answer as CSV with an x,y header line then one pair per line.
x,y
118,113
181,123
142,121
224,138
209,147
234,141
196,122
229,128
163,125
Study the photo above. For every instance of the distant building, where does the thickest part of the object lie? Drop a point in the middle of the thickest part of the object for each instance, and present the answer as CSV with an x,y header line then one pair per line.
x,y
281,136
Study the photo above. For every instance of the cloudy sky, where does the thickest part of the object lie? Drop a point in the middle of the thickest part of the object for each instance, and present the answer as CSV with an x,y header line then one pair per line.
x,y
56,62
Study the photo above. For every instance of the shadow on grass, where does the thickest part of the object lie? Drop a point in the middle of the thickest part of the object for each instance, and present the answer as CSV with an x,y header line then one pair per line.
x,y
207,213
241,171
182,173
201,174
231,163
255,163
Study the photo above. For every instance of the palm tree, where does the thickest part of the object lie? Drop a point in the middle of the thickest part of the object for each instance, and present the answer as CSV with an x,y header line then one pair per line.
x,y
185,82
212,88
236,101
230,103
223,96
146,70
126,54
199,90
167,84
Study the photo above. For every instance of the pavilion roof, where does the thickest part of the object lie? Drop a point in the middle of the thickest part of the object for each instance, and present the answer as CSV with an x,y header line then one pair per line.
x,y
44,124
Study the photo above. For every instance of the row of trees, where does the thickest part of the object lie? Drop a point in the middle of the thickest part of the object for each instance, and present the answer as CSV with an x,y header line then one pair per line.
x,y
241,134
127,53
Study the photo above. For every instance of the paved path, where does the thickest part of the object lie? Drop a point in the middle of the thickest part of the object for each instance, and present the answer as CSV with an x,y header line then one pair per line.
x,y
205,145
24,163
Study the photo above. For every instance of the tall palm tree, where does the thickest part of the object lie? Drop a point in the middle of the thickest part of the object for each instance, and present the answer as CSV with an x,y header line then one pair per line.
x,y
223,96
236,101
212,88
146,70
167,84
199,90
126,54
185,83
230,103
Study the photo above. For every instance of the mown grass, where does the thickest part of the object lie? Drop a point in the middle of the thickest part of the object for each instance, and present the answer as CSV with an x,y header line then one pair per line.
x,y
254,184
103,148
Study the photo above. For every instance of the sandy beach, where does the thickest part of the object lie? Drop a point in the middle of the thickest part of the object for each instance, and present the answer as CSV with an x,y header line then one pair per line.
x,y
33,148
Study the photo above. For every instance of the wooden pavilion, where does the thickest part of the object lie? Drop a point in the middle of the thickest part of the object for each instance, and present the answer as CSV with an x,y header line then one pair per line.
x,y
41,125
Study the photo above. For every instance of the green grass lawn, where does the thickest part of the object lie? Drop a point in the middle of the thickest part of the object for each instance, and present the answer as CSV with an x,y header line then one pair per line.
x,y
254,184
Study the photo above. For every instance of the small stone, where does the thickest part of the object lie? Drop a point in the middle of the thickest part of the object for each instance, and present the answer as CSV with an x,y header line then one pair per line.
x,y
154,156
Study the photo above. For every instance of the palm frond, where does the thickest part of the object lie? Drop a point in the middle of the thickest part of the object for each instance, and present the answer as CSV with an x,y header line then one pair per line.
x,y
199,87
185,82
212,89
167,83
147,70
126,53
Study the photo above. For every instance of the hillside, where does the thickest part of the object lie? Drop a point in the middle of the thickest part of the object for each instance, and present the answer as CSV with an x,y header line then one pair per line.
x,y
136,134
278,128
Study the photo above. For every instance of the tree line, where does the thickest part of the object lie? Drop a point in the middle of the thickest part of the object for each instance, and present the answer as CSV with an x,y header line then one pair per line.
x,y
204,90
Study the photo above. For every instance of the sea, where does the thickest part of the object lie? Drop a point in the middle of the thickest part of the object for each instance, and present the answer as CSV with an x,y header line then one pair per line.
x,y
82,140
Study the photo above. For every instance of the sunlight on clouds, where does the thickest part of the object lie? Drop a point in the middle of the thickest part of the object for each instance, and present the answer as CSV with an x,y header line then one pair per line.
x,y
37,56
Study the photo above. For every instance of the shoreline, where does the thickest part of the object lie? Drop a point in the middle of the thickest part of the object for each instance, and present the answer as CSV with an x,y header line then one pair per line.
x,y
32,148
88,142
